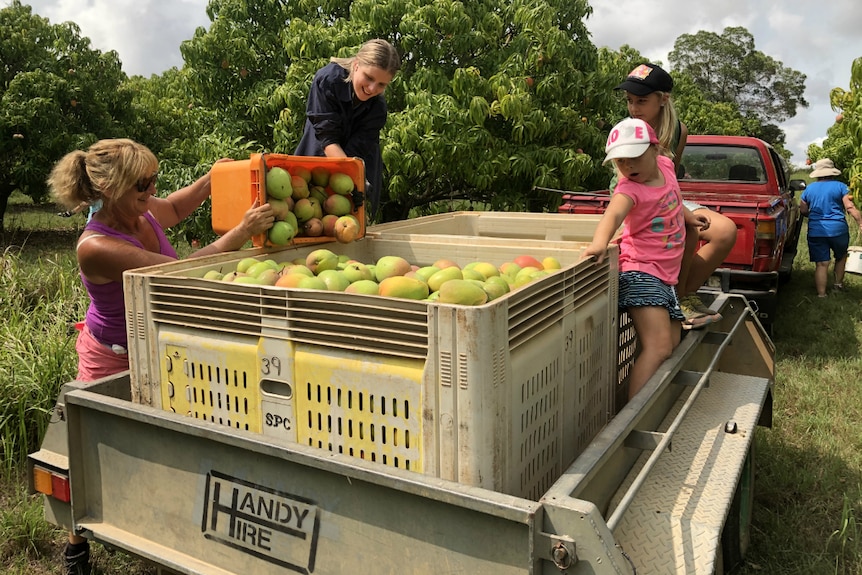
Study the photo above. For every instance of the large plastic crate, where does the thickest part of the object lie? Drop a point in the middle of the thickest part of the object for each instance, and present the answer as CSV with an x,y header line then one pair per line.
x,y
513,225
502,396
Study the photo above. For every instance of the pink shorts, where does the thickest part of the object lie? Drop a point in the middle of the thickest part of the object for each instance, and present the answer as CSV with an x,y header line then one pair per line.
x,y
97,360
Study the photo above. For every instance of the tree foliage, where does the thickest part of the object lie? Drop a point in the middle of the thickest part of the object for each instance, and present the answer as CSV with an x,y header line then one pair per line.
x,y
844,142
56,94
494,97
728,69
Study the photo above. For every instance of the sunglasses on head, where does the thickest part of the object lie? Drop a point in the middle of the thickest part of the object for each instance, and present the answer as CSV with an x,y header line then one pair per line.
x,y
144,185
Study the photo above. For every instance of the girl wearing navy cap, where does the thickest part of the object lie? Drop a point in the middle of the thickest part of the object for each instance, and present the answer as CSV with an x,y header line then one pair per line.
x,y
648,98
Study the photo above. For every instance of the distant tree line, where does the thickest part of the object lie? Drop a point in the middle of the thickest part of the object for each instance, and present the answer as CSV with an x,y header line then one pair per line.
x,y
494,98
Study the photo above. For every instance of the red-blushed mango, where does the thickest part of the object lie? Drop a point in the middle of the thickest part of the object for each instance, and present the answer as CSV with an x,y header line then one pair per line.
x,y
389,266
329,224
403,287
528,261
462,292
337,205
313,228
436,281
290,280
300,187
509,269
444,263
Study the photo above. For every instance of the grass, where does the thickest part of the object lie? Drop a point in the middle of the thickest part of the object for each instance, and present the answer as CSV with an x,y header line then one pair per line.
x,y
809,464
809,475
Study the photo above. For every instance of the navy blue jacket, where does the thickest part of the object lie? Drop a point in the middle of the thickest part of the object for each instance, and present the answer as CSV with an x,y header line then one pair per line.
x,y
332,117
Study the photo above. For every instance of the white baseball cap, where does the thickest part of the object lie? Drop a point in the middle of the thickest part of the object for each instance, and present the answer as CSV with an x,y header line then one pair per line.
x,y
629,139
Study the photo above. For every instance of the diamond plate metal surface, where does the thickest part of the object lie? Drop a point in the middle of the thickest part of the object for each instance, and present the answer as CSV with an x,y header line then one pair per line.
x,y
673,525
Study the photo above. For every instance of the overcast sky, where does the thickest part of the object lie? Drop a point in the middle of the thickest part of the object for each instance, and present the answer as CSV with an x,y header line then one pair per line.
x,y
818,38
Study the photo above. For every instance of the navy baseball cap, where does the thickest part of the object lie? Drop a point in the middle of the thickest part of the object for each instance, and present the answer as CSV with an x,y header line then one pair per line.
x,y
646,79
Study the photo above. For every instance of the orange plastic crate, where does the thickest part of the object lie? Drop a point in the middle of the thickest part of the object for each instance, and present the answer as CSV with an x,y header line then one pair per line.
x,y
235,186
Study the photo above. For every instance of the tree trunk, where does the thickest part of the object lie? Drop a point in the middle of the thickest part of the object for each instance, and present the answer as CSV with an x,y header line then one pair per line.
x,y
6,190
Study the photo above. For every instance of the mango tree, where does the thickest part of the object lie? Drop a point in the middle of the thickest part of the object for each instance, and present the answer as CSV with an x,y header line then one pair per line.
x,y
844,142
56,94
494,97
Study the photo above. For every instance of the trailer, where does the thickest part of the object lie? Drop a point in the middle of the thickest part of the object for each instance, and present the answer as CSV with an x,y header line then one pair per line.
x,y
665,487
250,437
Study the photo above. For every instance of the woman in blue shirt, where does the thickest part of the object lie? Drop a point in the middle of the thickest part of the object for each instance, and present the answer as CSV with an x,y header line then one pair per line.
x,y
346,111
825,203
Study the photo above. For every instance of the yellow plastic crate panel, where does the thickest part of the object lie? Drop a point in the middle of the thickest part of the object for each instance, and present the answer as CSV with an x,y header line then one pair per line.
x,y
513,225
502,396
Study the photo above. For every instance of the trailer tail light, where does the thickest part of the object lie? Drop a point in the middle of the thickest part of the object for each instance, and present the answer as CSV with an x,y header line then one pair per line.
x,y
51,483
765,230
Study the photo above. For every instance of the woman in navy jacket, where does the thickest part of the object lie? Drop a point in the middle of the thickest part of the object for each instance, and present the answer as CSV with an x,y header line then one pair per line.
x,y
346,111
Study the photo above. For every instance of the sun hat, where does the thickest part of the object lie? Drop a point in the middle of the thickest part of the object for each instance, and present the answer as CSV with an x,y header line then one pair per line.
x,y
646,79
824,167
629,139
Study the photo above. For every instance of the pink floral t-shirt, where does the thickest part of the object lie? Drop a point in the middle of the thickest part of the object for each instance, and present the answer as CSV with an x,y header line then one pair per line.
x,y
654,229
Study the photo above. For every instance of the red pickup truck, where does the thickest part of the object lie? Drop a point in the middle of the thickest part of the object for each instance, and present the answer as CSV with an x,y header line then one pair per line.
x,y
747,181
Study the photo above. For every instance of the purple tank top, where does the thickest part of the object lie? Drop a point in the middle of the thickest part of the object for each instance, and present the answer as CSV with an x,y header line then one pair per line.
x,y
106,316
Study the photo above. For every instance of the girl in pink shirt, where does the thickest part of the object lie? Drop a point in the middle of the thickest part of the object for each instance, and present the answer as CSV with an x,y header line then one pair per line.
x,y
647,200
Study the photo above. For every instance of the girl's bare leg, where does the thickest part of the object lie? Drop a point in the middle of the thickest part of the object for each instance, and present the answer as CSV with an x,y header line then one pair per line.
x,y
658,335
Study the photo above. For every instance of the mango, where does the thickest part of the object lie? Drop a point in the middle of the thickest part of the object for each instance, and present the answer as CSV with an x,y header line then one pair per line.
x,y
389,266
487,269
369,287
403,287
436,281
426,272
462,292
495,286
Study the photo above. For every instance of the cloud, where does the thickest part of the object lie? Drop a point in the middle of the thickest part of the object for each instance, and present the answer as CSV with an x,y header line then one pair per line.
x,y
145,33
819,39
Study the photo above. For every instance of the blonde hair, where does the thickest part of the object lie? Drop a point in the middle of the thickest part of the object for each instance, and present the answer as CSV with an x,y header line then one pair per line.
x,y
106,171
666,125
376,53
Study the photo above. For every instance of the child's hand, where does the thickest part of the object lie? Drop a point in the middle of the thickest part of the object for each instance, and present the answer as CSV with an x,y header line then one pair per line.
x,y
693,220
701,221
596,251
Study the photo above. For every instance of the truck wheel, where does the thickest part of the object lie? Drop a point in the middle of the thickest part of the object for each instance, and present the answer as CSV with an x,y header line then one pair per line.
x,y
736,534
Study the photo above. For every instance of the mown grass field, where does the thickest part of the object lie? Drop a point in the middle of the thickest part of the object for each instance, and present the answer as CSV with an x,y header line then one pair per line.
x,y
809,464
